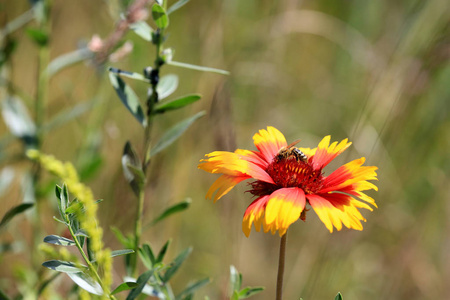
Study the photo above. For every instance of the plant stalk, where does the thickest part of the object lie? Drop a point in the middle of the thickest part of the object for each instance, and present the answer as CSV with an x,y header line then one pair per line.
x,y
281,261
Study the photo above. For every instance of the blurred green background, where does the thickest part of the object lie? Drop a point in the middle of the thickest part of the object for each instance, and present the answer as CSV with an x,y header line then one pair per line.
x,y
376,72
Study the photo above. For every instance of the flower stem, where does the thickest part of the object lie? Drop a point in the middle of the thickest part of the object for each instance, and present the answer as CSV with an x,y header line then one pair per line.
x,y
281,261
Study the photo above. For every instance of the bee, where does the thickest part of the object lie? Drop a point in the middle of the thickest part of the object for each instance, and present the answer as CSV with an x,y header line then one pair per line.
x,y
291,151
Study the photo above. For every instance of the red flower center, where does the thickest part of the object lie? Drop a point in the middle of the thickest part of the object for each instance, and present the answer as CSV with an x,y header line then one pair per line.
x,y
290,168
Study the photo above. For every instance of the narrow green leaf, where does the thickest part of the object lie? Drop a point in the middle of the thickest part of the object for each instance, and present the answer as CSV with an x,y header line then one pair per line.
x,y
132,169
159,16
17,119
235,296
14,212
250,291
74,207
175,265
40,37
175,104
128,74
141,281
124,287
162,252
60,221
198,68
179,207
121,252
58,240
86,282
128,98
68,59
64,200
127,242
235,279
173,134
63,266
147,256
143,30
338,296
68,115
191,288
167,85
3,296
177,5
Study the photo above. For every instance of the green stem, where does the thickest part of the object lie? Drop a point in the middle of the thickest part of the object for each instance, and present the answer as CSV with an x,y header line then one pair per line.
x,y
281,261
138,230
91,267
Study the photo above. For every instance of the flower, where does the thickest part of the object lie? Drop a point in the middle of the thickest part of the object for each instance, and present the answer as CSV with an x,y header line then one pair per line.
x,y
288,178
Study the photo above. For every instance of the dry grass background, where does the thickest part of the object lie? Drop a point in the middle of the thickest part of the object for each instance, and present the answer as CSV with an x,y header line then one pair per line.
x,y
374,71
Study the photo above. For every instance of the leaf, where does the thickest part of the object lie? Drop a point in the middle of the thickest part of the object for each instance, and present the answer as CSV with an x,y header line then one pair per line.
x,y
64,200
167,85
147,256
198,68
235,279
250,291
173,268
86,282
16,117
338,296
68,59
162,252
159,16
177,5
175,104
127,242
128,98
14,212
179,207
173,134
235,296
124,287
190,289
63,266
3,296
40,37
141,281
121,252
128,74
68,115
142,29
132,169
58,240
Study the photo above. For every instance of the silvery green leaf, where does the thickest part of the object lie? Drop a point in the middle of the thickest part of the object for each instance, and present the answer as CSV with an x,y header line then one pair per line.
x,y
177,5
6,177
58,240
63,266
128,98
159,16
86,282
142,29
167,85
16,117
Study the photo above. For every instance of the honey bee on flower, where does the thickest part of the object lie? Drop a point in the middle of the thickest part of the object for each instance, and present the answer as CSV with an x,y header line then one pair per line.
x,y
287,178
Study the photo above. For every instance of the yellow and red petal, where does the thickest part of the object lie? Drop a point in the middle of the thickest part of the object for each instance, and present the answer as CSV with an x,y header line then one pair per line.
x,y
223,185
308,151
233,164
283,208
269,142
333,216
325,152
352,173
254,214
253,157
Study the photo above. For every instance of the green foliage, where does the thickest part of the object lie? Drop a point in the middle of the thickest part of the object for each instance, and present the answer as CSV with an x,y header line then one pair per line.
x,y
236,284
177,5
124,287
58,240
128,98
38,36
176,208
183,101
159,16
143,30
64,266
132,168
173,134
16,210
166,86
338,296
